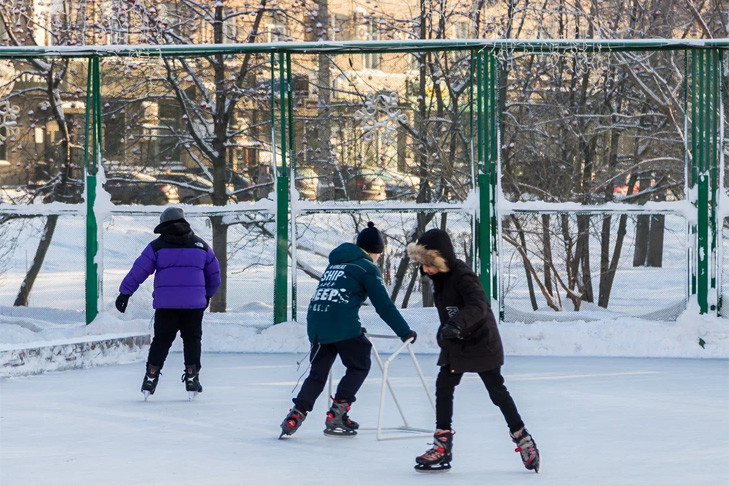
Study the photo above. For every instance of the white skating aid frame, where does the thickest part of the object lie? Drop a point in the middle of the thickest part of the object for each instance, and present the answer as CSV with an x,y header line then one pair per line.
x,y
384,367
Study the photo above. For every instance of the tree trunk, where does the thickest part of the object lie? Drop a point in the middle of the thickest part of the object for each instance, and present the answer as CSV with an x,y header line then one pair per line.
x,y
547,250
40,255
409,290
324,129
522,242
655,241
604,298
219,302
642,229
582,253
655,238
604,285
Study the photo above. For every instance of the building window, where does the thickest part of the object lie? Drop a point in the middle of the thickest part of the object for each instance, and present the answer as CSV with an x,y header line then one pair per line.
x,y
168,131
461,30
230,26
368,29
276,29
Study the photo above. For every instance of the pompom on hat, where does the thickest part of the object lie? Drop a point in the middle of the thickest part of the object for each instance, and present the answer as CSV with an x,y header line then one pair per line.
x,y
370,239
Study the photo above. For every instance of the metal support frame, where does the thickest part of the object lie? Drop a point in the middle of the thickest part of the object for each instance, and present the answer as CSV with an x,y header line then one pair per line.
x,y
91,167
487,162
703,158
280,304
408,430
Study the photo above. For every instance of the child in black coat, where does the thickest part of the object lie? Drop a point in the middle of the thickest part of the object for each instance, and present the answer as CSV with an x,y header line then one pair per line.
x,y
470,342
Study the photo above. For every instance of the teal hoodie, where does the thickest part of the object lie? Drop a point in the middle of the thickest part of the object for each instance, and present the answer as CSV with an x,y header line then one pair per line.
x,y
349,279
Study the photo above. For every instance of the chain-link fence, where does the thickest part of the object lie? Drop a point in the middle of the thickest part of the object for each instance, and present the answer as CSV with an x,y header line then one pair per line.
x,y
580,179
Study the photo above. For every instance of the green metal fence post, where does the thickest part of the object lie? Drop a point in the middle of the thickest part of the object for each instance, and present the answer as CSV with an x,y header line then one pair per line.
x,y
91,165
703,191
483,234
280,313
492,167
714,147
705,140
292,170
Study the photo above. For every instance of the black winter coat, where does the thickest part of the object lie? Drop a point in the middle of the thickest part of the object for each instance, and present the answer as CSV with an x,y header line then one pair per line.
x,y
462,302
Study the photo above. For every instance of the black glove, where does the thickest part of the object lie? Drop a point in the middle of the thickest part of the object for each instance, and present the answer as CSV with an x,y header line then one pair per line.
x,y
411,334
207,301
449,331
121,302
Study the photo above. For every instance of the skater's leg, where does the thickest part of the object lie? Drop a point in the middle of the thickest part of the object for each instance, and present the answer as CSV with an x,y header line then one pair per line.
x,y
445,386
165,331
191,333
355,355
321,359
500,396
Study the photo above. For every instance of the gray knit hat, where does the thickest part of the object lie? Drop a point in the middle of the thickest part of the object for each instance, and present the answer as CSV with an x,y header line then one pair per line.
x,y
171,214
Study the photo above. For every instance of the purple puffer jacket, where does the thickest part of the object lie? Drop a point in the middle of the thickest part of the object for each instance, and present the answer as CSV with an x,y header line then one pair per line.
x,y
187,270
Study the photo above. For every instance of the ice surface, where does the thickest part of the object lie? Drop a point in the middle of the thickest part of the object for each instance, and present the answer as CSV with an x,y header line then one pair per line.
x,y
597,421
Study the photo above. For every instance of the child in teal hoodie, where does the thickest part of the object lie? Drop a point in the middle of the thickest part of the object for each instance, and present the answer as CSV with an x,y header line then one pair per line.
x,y
335,330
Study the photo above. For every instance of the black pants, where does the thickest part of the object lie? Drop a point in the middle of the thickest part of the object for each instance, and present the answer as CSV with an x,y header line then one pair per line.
x,y
445,386
355,355
167,322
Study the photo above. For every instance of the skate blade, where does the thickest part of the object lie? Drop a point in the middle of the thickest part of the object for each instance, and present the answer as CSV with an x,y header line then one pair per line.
x,y
146,395
191,395
432,469
339,433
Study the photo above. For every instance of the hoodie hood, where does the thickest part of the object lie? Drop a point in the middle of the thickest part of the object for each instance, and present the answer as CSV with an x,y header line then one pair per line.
x,y
434,249
177,231
347,252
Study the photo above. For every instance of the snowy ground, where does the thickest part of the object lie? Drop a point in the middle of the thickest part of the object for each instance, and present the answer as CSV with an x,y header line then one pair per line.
x,y
597,421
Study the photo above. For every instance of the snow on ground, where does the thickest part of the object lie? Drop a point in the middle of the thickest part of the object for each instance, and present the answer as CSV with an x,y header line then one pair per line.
x,y
252,332
597,421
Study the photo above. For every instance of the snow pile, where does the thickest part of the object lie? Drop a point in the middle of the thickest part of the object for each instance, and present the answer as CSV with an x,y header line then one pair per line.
x,y
251,331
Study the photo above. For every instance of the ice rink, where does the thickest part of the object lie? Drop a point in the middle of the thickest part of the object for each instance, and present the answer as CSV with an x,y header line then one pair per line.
x,y
597,421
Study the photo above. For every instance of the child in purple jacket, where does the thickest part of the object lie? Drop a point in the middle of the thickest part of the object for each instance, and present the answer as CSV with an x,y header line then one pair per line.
x,y
187,275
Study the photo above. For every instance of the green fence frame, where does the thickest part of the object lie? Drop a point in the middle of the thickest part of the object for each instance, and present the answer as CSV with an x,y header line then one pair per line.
x,y
705,63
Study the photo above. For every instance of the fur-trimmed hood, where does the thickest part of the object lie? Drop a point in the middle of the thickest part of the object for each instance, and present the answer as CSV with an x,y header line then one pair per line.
x,y
434,249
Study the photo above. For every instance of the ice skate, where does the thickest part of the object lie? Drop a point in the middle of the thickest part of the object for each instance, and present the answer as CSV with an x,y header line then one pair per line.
x,y
526,446
292,422
191,379
149,383
437,458
338,423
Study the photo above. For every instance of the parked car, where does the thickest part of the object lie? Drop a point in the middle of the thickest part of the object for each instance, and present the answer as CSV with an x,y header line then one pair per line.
x,y
192,189
134,187
241,187
364,184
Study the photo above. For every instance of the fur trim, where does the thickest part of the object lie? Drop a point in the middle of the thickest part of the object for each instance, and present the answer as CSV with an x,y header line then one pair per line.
x,y
428,257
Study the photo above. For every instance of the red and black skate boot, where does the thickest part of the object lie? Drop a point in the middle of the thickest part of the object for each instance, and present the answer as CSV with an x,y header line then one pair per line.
x,y
338,423
191,379
526,446
151,378
292,422
439,457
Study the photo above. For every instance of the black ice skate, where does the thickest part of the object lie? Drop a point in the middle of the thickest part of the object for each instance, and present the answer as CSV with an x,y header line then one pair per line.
x,y
292,422
191,379
338,423
439,457
149,383
526,446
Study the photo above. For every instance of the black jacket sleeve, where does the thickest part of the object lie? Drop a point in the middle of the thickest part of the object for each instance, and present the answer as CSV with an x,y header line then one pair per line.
x,y
474,312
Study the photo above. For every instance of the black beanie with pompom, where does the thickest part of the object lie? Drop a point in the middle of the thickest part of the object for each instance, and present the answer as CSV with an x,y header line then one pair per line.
x,y
370,239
